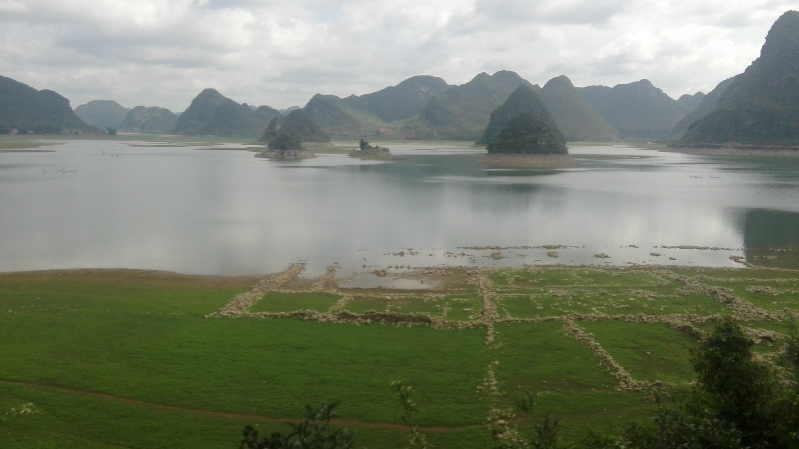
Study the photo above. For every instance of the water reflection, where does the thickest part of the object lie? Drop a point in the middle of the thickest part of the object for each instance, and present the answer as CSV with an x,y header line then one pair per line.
x,y
771,238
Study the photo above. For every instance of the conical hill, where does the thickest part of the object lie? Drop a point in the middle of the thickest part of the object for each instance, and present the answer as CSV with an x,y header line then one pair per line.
x,y
523,125
523,100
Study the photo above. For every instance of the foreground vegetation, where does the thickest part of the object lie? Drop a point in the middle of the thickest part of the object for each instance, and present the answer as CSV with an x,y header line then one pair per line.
x,y
111,359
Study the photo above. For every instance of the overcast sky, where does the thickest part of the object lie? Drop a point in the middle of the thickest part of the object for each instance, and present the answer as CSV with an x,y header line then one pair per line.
x,y
280,53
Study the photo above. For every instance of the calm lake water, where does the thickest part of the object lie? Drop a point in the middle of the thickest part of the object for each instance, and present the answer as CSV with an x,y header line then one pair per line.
x,y
106,204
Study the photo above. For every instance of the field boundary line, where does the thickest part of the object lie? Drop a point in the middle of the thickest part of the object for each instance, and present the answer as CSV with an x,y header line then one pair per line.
x,y
626,382
241,303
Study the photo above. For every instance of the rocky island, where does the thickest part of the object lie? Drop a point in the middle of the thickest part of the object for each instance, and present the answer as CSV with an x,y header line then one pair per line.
x,y
284,136
286,146
298,123
371,152
523,134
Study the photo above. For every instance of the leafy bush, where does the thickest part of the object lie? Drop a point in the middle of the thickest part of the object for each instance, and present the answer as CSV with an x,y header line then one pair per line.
x,y
737,402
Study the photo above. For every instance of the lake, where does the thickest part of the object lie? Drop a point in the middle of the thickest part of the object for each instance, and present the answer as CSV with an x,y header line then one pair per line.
x,y
107,204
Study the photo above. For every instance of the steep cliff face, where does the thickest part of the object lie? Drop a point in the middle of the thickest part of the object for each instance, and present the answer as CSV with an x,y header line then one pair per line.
x,y
761,106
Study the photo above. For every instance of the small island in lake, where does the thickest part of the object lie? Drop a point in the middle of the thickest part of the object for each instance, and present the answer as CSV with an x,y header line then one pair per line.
x,y
285,136
371,152
522,134
286,146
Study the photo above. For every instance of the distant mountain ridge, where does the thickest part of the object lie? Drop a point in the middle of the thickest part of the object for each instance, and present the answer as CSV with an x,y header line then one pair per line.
x,y
102,114
426,107
148,120
336,118
637,110
399,102
760,106
289,109
211,113
297,123
40,111
462,112
708,103
444,112
689,103
575,117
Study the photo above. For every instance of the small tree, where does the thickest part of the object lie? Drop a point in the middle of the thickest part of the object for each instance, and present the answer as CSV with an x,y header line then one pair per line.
x,y
364,144
313,432
736,388
545,431
417,439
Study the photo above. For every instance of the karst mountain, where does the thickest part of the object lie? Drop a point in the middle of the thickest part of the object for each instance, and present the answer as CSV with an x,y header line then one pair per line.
x,y
102,114
575,117
297,123
523,125
25,109
148,120
638,110
760,106
211,113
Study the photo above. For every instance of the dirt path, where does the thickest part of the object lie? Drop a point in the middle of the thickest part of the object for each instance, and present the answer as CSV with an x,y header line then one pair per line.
x,y
243,417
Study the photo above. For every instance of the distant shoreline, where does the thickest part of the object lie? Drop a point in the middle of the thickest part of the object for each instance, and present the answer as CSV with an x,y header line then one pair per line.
x,y
733,151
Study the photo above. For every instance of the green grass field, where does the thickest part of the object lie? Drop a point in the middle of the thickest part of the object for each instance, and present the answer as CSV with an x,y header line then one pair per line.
x,y
135,359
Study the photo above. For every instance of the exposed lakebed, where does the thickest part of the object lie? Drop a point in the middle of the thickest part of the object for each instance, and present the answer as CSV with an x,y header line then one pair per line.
x,y
107,204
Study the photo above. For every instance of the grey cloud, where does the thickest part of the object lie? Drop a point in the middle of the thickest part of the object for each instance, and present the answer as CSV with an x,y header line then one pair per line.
x,y
162,52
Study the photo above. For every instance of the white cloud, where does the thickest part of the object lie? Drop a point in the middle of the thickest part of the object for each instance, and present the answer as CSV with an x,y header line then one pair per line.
x,y
163,52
